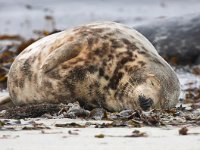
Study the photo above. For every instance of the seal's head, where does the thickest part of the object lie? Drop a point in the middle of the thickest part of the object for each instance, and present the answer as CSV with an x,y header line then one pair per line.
x,y
153,85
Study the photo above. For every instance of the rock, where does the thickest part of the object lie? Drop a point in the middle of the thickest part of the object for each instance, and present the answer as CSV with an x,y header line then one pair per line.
x,y
176,39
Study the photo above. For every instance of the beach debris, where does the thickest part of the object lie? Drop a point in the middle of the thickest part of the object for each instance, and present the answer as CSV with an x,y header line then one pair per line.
x,y
72,132
75,111
51,132
98,114
183,131
127,118
137,133
196,69
31,111
16,125
2,123
126,114
70,125
99,136
8,137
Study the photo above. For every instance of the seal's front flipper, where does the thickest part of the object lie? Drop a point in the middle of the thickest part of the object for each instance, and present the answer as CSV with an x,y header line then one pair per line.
x,y
63,53
5,102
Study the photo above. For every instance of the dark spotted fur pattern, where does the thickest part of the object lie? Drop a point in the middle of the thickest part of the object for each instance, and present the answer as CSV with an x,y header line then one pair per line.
x,y
102,64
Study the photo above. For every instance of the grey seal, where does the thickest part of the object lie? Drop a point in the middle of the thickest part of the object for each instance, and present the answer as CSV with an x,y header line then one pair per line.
x,y
101,64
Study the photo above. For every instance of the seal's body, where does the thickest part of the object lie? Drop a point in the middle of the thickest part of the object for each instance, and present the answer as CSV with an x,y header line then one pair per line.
x,y
101,64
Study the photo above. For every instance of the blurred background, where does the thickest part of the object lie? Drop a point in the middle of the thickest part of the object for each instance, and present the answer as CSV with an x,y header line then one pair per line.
x,y
28,17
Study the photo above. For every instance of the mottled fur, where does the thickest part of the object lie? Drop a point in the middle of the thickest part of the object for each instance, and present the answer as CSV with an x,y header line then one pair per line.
x,y
103,64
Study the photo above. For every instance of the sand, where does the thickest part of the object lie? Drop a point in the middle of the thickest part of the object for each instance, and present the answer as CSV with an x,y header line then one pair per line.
x,y
166,138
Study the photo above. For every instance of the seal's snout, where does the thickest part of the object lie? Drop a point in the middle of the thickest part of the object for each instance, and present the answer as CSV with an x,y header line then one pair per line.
x,y
145,103
147,94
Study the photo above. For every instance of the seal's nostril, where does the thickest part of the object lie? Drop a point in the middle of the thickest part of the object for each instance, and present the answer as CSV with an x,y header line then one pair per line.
x,y
145,103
